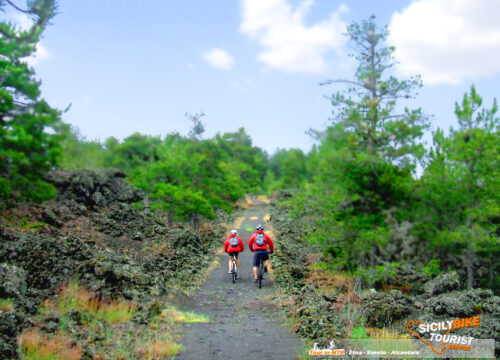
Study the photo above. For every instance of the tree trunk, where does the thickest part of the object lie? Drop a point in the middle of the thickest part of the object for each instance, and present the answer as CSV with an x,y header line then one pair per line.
x,y
196,222
146,205
470,256
170,218
492,270
373,257
470,267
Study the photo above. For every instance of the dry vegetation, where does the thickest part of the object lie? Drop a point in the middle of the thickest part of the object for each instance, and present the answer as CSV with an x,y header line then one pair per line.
x,y
35,346
110,320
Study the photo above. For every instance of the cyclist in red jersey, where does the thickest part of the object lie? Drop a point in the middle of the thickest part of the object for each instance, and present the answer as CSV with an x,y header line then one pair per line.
x,y
233,245
259,243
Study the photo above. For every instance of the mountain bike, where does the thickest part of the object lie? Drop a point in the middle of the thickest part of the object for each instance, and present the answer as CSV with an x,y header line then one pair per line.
x,y
234,269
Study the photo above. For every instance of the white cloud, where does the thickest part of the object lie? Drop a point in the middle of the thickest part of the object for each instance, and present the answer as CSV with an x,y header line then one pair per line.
x,y
447,41
21,20
219,59
40,54
288,43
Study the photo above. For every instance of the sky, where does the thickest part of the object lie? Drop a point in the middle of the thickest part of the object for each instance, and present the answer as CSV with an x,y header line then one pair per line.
x,y
140,66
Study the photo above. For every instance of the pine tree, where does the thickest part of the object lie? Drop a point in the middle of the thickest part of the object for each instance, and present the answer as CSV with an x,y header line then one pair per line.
x,y
27,149
366,159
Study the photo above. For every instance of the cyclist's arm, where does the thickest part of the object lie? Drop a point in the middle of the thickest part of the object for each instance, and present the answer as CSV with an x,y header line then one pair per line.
x,y
242,246
226,245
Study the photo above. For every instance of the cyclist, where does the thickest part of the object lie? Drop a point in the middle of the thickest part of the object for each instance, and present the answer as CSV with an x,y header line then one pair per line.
x,y
258,244
234,245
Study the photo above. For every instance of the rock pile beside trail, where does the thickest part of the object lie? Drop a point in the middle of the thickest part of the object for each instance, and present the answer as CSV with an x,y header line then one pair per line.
x,y
93,232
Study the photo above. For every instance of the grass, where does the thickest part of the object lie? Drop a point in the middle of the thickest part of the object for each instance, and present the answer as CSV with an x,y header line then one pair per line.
x,y
35,346
329,282
23,223
359,332
159,349
6,305
72,297
249,229
184,316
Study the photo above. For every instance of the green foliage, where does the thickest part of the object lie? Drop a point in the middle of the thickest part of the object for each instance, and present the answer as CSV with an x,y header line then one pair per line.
x,y
6,304
198,128
359,332
433,268
79,153
135,151
385,271
289,167
27,148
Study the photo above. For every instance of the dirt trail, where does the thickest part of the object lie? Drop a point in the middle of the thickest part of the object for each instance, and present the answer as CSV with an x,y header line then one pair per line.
x,y
242,323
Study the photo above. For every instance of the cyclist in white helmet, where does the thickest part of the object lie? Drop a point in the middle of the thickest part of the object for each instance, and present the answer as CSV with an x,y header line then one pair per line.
x,y
234,245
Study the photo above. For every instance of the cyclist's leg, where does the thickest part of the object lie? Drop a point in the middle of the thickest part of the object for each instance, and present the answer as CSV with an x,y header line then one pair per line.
x,y
238,262
230,263
265,258
256,259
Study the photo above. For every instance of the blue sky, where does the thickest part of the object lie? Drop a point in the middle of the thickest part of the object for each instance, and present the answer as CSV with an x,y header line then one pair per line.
x,y
128,66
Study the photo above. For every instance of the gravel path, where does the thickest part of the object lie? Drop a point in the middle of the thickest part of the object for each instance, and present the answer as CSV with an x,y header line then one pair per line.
x,y
243,325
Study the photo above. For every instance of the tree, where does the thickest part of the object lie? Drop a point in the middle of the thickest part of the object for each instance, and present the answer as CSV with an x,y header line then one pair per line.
x,y
78,152
366,158
134,151
247,163
27,148
198,127
461,190
367,110
289,167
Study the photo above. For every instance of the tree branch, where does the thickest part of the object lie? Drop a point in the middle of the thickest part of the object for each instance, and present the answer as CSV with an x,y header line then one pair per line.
x,y
17,7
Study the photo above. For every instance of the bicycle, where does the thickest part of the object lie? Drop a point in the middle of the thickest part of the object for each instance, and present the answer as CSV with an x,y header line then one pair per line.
x,y
234,269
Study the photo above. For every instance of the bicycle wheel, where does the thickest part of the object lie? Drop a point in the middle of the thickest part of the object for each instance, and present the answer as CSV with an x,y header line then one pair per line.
x,y
234,271
261,273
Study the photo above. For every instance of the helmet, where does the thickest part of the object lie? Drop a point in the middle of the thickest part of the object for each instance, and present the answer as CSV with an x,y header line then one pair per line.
x,y
234,232
259,227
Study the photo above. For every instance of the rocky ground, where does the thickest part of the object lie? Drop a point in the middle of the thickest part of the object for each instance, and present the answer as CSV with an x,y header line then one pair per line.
x,y
94,233
325,305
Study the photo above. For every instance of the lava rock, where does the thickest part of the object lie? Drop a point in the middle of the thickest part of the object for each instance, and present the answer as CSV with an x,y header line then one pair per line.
x,y
442,283
384,308
12,281
51,218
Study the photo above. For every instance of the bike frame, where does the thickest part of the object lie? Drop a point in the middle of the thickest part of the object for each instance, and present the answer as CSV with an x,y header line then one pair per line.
x,y
234,269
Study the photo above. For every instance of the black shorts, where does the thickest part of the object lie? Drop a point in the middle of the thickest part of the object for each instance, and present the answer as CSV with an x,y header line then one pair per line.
x,y
259,255
233,253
